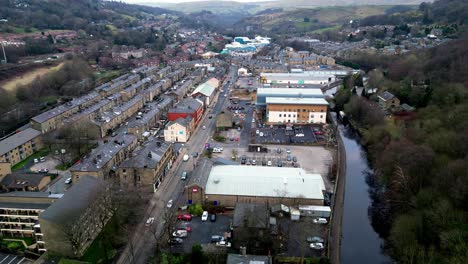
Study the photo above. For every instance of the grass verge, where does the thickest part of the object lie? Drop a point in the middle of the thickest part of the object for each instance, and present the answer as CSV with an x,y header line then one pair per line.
x,y
41,153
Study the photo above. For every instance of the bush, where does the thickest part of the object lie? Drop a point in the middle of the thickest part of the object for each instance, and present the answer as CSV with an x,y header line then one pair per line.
x,y
14,246
195,209
219,138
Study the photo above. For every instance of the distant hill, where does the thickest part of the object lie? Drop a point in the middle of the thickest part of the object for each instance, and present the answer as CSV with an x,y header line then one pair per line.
x,y
229,12
33,15
309,20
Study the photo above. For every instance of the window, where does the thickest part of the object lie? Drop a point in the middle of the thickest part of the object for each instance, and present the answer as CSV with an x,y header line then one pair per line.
x,y
321,116
289,115
311,116
304,110
321,110
279,115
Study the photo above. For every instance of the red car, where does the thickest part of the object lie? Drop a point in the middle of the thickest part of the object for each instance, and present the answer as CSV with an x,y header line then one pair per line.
x,y
185,217
318,133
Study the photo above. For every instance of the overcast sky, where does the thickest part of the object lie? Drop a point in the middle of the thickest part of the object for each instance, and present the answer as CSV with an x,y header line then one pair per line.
x,y
180,1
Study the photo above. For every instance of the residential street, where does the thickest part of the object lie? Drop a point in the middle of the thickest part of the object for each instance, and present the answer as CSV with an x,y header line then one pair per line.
x,y
143,242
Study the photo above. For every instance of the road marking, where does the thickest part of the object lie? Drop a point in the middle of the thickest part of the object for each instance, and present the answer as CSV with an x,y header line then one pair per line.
x,y
12,260
21,260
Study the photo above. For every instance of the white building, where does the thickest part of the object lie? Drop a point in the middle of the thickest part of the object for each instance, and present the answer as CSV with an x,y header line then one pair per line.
x,y
296,110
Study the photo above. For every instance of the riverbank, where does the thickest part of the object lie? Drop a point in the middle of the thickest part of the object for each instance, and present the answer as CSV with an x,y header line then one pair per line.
x,y
334,236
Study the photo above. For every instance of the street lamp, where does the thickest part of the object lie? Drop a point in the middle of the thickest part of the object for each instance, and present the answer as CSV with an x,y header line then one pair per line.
x,y
3,48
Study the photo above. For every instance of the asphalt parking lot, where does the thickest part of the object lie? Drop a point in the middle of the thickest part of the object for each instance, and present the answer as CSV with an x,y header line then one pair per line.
x,y
12,259
201,232
279,135
243,82
296,233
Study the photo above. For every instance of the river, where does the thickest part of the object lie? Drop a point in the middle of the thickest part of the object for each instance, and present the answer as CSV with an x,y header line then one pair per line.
x,y
360,242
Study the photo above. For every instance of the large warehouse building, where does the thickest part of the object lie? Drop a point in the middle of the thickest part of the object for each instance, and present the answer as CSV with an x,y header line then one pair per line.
x,y
231,184
296,110
263,93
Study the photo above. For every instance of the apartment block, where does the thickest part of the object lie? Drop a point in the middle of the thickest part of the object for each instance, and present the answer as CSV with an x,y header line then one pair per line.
x,y
296,110
19,214
19,146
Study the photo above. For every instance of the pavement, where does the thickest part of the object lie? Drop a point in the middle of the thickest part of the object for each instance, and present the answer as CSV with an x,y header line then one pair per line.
x,y
141,246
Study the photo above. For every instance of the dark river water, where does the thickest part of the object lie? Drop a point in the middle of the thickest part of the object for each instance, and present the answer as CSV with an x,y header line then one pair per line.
x,y
360,242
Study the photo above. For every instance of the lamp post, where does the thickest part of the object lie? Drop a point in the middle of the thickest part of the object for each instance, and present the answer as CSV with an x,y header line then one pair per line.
x,y
3,48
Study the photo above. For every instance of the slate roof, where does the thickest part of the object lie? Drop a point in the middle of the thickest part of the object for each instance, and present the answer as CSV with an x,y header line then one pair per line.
x,y
17,140
386,96
21,180
251,216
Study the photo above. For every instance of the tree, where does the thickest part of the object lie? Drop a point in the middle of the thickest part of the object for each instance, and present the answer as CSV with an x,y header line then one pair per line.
x,y
197,255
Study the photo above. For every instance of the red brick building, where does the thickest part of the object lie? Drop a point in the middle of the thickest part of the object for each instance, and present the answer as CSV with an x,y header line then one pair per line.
x,y
187,107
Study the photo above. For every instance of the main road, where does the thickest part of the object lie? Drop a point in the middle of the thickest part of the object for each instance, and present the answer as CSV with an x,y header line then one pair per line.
x,y
141,246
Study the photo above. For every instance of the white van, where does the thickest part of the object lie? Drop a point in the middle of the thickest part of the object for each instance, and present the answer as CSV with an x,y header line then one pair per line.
x,y
320,220
186,157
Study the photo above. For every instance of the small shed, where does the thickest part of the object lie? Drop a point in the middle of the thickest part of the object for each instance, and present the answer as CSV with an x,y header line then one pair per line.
x,y
295,215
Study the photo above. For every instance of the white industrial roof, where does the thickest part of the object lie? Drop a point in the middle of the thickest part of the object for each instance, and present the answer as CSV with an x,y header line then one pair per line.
x,y
264,181
296,101
289,91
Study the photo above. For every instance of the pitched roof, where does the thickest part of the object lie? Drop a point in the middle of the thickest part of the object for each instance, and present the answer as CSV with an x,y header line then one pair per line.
x,y
17,140
74,201
21,180
207,88
386,96
149,156
251,216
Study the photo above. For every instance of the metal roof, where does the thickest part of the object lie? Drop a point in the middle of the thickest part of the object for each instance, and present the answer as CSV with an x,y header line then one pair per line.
x,y
264,182
207,88
17,140
296,101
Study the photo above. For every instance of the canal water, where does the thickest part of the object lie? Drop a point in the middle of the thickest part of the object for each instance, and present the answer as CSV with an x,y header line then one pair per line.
x,y
360,242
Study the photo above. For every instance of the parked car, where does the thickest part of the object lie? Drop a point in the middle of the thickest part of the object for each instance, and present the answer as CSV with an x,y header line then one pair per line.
x,y
68,181
204,216
254,162
213,217
320,221
243,159
180,233
186,157
278,150
36,161
195,154
184,175
216,238
294,158
318,132
186,228
169,204
184,217
150,221
42,159
269,163
264,163
280,163
175,240
288,157
316,245
315,239
223,244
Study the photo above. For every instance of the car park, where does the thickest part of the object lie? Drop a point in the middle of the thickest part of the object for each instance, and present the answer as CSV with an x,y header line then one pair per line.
x,y
184,217
320,220
150,221
213,217
204,216
169,204
180,233
315,239
184,176
316,245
